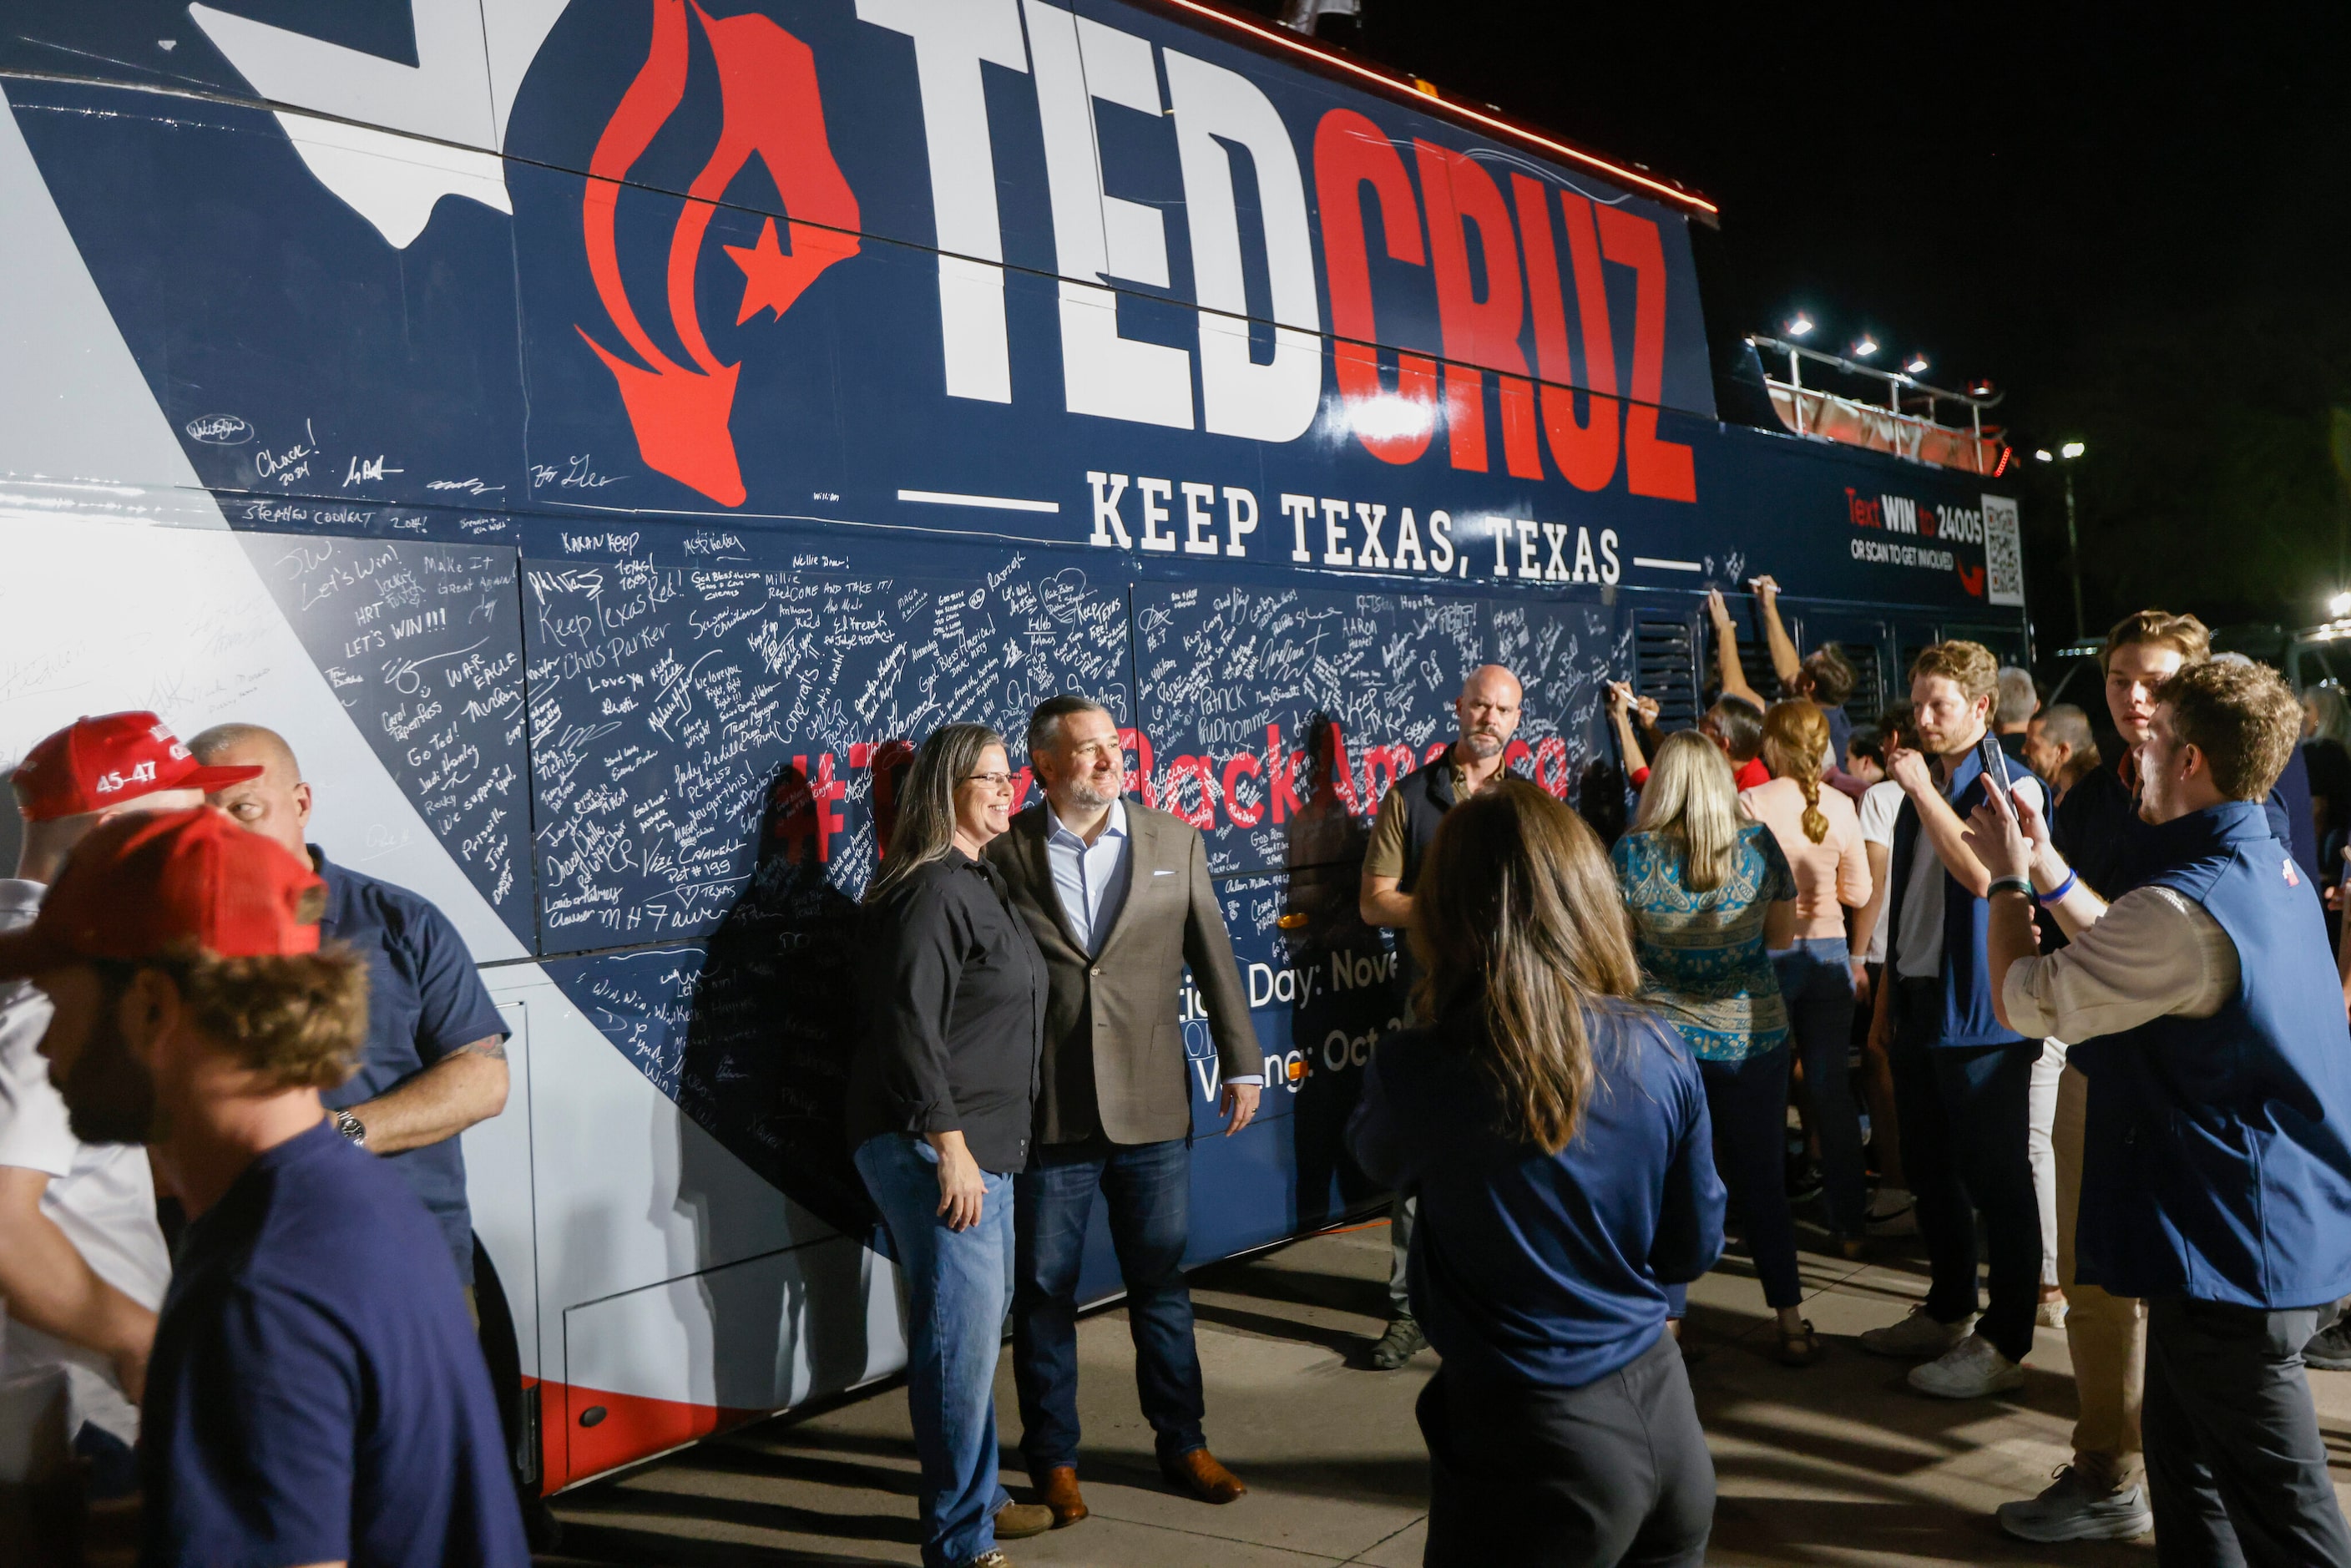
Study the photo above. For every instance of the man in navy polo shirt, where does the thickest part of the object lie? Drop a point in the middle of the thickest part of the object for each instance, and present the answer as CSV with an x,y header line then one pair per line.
x,y
314,1395
435,1062
2216,1178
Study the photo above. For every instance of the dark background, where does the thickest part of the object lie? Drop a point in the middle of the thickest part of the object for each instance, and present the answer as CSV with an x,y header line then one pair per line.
x,y
2131,219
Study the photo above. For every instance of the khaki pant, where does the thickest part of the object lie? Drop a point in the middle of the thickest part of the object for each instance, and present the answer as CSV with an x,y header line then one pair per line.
x,y
2107,1335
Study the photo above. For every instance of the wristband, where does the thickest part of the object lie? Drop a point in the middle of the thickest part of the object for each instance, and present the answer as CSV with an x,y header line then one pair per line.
x,y
2057,895
2001,885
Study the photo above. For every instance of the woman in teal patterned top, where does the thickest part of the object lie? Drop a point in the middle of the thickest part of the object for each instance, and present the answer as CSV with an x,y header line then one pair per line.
x,y
1710,894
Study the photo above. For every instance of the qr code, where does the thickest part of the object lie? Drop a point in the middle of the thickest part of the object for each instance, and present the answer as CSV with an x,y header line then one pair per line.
x,y
2003,552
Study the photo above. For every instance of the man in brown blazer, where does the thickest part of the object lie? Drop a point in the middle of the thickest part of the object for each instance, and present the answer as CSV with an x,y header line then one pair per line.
x,y
1120,900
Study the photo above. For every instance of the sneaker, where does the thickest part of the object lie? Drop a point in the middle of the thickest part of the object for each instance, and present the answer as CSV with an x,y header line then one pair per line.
x,y
2068,1512
1891,1213
2329,1350
1403,1341
987,1560
1969,1370
1916,1336
1803,1179
2051,1312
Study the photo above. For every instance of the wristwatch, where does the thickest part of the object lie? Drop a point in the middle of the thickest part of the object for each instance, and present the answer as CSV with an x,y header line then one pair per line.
x,y
352,1127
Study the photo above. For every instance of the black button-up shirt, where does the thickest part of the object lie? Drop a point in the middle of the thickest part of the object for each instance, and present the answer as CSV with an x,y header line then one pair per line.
x,y
953,994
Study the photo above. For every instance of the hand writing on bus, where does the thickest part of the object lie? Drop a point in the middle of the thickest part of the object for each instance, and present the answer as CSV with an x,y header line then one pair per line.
x,y
1765,587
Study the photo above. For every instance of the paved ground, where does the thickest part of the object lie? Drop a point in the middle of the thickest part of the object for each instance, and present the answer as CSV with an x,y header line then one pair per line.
x,y
1840,1463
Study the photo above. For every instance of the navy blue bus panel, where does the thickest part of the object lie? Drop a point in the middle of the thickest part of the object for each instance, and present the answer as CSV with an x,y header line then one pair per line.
x,y
780,385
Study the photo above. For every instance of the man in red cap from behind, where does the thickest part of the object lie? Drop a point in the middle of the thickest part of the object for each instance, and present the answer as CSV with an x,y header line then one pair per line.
x,y
82,1264
315,1395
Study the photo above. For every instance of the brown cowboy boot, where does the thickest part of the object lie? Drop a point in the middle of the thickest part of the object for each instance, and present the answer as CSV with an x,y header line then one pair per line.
x,y
1198,1473
1058,1488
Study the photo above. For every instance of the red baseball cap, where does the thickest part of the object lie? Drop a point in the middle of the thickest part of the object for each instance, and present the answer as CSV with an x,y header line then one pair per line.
x,y
95,763
141,885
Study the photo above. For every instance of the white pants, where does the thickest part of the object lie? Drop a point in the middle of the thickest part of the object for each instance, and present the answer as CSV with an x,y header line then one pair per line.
x,y
2041,1115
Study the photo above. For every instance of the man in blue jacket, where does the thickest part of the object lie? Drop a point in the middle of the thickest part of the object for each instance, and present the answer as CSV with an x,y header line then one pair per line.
x,y
1962,1079
2216,1176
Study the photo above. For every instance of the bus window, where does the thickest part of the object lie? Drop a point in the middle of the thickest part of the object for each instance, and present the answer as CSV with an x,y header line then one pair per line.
x,y
1666,665
1868,699
1911,649
1863,643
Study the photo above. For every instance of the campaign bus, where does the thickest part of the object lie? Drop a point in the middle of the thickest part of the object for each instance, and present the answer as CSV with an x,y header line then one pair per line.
x,y
600,438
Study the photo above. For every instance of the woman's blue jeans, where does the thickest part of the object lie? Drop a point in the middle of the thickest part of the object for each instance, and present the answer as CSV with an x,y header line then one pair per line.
x,y
956,1285
1816,980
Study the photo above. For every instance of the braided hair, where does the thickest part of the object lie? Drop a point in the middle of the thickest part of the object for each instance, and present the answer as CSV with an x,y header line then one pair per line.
x,y
1795,738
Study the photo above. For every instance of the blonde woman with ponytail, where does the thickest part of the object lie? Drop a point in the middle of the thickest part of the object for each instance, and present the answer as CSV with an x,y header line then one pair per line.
x,y
1710,894
1819,830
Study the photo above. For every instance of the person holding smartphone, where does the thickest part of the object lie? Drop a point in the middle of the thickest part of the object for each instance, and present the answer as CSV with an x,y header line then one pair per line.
x,y
1962,1078
2216,1176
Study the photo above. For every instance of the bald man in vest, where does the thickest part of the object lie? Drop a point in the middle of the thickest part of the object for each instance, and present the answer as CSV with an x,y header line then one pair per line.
x,y
1487,715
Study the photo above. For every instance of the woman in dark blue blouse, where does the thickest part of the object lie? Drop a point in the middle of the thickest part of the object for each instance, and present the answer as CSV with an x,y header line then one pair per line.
x,y
1555,1133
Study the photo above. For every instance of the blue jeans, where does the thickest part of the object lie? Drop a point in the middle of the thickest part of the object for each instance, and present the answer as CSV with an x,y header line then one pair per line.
x,y
1965,1112
1816,980
1749,1103
1149,1186
956,1285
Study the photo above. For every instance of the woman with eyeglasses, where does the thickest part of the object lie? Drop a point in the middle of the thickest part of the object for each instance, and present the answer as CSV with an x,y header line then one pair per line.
x,y
941,1094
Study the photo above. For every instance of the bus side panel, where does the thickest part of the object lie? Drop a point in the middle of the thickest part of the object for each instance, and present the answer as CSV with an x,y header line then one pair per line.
x,y
592,545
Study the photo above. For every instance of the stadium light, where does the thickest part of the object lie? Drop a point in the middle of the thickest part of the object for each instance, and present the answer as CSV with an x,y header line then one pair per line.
x,y
1863,347
2071,450
1915,365
1798,325
2041,455
2339,606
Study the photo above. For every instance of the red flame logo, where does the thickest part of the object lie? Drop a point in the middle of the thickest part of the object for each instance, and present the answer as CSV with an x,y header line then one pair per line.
x,y
1971,578
770,108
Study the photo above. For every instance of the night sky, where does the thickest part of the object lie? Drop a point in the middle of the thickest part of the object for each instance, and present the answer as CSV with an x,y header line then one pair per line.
x,y
2136,220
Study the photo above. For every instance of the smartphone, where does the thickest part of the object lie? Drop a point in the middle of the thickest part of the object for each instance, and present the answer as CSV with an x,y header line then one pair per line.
x,y
1995,770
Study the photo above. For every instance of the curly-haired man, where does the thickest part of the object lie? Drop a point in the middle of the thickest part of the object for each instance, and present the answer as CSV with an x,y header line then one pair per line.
x,y
315,1394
